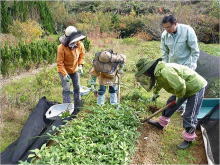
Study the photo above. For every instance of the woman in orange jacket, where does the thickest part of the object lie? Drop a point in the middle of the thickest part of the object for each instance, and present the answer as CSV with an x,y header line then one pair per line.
x,y
70,55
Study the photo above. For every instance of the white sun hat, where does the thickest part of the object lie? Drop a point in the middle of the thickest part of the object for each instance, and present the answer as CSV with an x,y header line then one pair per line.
x,y
71,34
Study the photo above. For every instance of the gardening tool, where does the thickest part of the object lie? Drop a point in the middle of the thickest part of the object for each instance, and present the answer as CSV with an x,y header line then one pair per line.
x,y
119,92
160,110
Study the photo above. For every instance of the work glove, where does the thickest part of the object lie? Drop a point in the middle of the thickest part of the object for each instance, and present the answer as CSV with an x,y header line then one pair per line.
x,y
80,69
92,81
155,96
66,78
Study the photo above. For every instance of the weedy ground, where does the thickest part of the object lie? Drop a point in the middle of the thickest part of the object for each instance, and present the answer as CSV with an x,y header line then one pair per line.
x,y
103,135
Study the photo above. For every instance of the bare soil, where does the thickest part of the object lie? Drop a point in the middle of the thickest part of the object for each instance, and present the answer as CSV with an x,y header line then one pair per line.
x,y
153,108
148,147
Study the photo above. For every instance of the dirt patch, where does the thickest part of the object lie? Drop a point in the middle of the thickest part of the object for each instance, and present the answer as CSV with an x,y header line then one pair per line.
x,y
199,150
153,108
147,147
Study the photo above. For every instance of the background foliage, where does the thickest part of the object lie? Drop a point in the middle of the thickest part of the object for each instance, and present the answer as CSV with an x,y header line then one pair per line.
x,y
24,56
125,18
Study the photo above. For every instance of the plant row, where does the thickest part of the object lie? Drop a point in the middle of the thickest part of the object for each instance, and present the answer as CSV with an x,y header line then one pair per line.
x,y
24,56
105,135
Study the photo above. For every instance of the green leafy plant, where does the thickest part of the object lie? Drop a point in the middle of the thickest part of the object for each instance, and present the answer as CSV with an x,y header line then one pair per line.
x,y
87,44
89,141
25,56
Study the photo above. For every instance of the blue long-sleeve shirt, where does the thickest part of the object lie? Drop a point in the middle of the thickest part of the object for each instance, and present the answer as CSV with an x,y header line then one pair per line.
x,y
182,47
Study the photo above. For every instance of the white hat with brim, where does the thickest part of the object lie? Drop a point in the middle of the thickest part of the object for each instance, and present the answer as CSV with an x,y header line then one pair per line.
x,y
74,37
78,38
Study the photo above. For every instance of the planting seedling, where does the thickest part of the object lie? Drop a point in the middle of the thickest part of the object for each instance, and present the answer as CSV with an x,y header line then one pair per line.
x,y
100,135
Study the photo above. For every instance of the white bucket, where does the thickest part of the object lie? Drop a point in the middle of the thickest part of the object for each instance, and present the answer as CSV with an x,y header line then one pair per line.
x,y
56,110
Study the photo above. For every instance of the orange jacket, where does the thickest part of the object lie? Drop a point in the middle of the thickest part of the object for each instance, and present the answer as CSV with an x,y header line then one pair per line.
x,y
68,60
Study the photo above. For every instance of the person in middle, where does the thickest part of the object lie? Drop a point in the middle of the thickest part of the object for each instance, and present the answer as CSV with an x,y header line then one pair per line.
x,y
107,67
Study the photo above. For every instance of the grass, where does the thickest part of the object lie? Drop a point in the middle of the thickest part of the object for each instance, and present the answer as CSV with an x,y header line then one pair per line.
x,y
212,49
22,95
172,136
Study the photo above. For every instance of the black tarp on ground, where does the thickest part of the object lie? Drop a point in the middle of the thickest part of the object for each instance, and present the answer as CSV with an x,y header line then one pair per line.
x,y
208,66
31,134
210,130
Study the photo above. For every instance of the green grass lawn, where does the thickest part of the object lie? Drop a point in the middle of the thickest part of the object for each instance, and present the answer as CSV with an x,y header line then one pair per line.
x,y
21,96
212,49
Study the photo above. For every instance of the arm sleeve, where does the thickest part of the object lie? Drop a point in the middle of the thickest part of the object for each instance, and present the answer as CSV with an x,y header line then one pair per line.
x,y
60,61
174,81
94,73
156,89
82,54
192,42
164,49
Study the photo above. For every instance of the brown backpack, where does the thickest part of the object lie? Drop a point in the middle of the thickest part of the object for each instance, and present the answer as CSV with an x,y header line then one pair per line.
x,y
104,67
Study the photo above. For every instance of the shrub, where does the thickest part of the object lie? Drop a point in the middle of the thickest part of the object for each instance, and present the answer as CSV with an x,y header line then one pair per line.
x,y
26,31
129,26
94,20
87,44
8,39
152,28
207,28
205,25
25,56
5,17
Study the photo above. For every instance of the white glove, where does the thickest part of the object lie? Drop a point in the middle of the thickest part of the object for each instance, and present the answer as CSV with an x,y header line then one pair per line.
x,y
66,78
80,69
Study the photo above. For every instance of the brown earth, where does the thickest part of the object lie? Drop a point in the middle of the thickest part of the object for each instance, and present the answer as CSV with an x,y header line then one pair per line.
x,y
153,108
199,150
148,147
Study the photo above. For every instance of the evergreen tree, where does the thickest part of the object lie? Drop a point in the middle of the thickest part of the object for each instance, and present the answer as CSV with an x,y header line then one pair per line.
x,y
46,17
5,17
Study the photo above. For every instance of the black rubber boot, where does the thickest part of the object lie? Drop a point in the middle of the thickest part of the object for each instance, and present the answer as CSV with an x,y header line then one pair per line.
x,y
156,124
185,144
78,106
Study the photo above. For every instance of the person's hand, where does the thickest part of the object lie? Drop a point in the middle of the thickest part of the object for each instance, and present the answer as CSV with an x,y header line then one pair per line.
x,y
92,81
66,78
80,69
